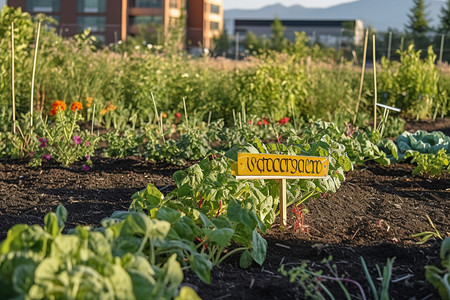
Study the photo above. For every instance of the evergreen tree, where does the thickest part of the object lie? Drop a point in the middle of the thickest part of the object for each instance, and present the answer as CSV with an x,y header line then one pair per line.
x,y
222,43
418,22
445,18
252,42
279,42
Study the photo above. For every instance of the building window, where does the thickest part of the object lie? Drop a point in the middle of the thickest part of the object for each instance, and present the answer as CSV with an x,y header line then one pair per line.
x,y
145,20
173,3
213,26
215,9
97,24
44,6
91,6
147,3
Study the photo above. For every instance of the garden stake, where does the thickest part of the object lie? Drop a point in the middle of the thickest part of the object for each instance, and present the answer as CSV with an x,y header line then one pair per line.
x,y
283,208
93,120
234,117
12,79
33,74
209,118
374,85
362,76
154,105
185,112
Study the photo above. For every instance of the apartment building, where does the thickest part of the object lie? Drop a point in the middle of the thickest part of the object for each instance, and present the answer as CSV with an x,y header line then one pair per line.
x,y
204,22
113,20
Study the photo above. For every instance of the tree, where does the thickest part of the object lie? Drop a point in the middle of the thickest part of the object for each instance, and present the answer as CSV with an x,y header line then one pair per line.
x,y
445,18
418,22
222,43
252,42
279,42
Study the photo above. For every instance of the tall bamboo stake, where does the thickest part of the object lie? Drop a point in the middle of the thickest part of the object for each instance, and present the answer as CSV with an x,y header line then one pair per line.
x,y
185,111
374,85
34,72
13,79
362,75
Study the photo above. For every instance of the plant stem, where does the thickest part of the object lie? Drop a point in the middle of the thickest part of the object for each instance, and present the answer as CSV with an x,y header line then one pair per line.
x,y
231,253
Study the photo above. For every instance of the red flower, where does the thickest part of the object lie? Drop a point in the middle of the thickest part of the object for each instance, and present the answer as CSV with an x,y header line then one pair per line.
x,y
265,122
250,122
76,106
284,120
57,105
177,115
259,123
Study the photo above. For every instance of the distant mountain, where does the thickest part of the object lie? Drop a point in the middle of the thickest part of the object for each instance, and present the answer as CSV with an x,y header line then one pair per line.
x,y
379,14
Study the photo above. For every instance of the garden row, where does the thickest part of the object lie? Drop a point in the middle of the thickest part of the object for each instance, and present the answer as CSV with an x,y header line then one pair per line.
x,y
120,86
206,219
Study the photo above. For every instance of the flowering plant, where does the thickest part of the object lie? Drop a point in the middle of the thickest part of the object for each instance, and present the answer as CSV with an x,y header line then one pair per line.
x,y
63,141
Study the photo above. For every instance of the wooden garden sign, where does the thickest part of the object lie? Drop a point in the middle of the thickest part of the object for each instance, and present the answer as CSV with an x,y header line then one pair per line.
x,y
281,167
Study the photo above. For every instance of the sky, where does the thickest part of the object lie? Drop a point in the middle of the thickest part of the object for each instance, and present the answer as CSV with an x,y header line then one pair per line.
x,y
255,4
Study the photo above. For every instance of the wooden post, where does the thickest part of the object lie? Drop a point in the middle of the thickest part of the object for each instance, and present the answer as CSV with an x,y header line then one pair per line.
x,y
374,85
13,93
283,213
362,76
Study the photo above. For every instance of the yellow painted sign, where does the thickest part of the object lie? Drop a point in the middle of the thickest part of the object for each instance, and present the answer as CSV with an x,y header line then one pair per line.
x,y
274,166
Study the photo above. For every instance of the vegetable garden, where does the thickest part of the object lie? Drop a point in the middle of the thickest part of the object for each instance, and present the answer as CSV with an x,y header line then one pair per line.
x,y
116,180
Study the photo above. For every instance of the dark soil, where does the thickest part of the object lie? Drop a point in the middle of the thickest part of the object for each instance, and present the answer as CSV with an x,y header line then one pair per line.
x,y
374,215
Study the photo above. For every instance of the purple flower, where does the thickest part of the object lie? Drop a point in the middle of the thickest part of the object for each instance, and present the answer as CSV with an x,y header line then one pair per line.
x,y
77,139
85,167
87,157
44,142
88,144
31,154
46,157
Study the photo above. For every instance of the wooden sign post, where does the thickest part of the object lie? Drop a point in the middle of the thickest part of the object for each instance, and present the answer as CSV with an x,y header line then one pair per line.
x,y
281,167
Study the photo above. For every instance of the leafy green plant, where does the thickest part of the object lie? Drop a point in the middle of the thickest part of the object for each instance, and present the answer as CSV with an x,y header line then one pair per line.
x,y
122,144
39,262
430,150
440,278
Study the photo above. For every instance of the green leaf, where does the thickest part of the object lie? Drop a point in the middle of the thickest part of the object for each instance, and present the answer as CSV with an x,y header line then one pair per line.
x,y
237,214
201,266
246,259
259,248
23,278
61,214
186,228
221,236
174,272
51,224
187,293
168,214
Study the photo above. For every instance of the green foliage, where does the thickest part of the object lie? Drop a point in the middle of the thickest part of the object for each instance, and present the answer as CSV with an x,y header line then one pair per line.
x,y
412,85
429,150
445,18
122,145
40,262
440,278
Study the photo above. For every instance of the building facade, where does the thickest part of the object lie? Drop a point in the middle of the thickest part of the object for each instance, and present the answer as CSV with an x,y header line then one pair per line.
x,y
114,20
204,22
330,33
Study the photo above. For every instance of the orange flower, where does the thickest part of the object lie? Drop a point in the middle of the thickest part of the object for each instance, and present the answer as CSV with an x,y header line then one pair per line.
x,y
89,101
76,106
57,105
